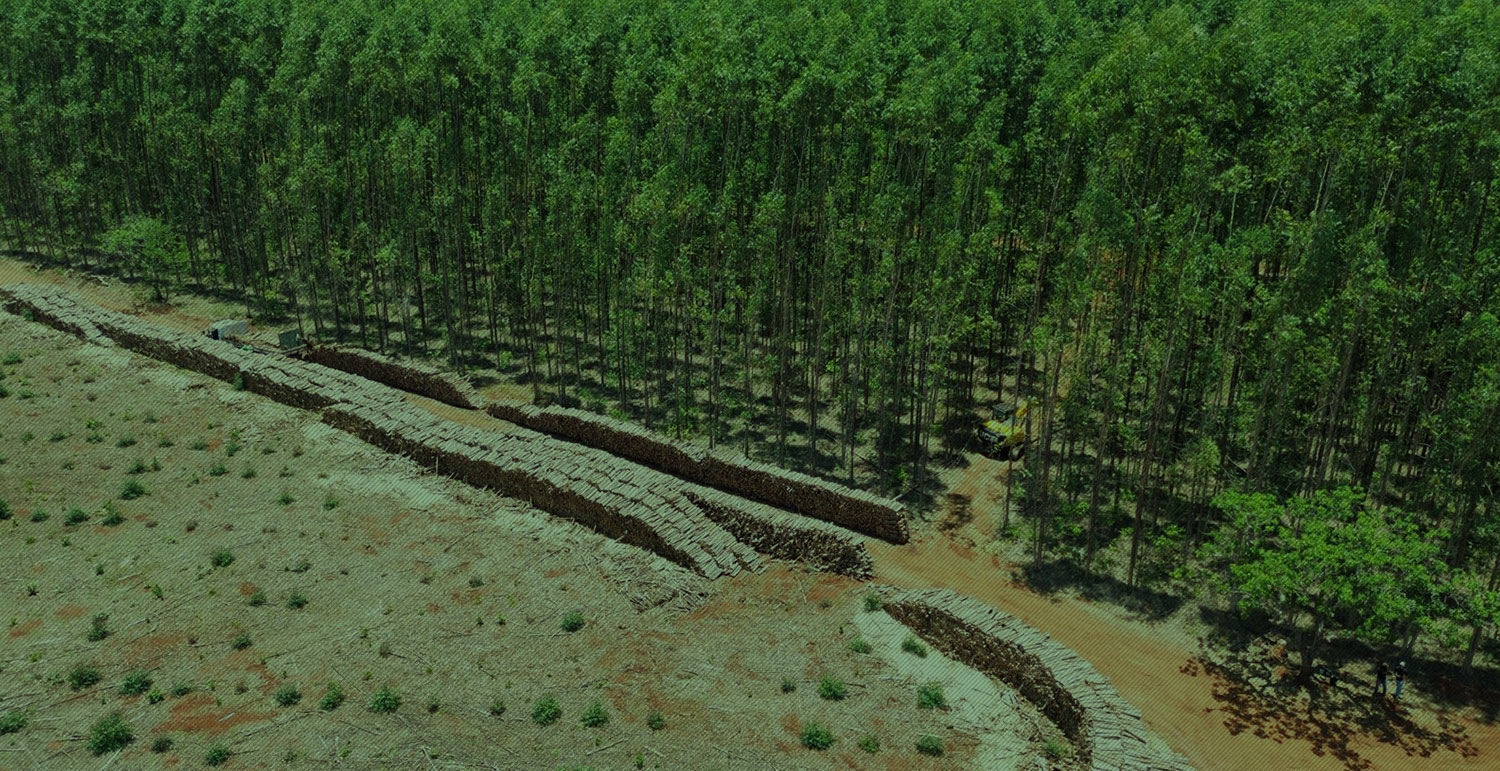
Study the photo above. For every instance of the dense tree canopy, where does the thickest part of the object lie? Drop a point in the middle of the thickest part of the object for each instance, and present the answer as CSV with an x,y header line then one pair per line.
x,y
1228,245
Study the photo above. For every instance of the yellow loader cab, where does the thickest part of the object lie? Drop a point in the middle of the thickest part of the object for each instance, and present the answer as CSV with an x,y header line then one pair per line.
x,y
1003,436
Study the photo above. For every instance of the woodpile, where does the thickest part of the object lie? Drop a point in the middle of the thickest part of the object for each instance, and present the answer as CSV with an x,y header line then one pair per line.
x,y
1105,728
801,493
416,377
697,527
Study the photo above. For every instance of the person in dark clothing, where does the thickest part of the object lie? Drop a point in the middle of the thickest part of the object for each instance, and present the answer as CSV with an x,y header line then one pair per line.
x,y
1381,673
1400,678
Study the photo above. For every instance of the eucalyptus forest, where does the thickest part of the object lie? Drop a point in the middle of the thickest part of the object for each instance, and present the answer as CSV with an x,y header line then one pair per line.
x,y
1243,256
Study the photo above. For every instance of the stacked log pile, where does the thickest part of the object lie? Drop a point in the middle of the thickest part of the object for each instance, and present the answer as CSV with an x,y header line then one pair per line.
x,y
1106,729
621,499
808,495
784,535
415,377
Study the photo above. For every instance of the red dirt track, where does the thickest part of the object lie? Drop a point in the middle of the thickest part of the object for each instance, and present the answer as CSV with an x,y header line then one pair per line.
x,y
1215,722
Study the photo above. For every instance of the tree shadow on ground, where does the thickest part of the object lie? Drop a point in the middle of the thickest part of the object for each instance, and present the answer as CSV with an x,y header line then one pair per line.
x,y
1141,603
1271,699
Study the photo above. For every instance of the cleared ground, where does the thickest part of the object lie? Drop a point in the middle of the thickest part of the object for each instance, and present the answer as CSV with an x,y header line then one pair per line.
x,y
402,580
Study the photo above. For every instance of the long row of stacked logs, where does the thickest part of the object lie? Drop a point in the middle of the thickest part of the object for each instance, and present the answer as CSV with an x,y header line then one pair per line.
x,y
1105,728
698,528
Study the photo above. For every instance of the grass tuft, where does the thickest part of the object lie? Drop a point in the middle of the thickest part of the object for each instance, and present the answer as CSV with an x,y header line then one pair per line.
x,y
97,628
858,645
287,695
545,711
241,641
930,696
594,715
816,736
83,676
217,755
131,490
12,722
110,733
572,622
832,688
656,720
385,701
135,683
930,745
296,600
222,558
332,699
914,646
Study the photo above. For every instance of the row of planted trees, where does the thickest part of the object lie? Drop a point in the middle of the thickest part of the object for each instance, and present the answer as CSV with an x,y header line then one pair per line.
x,y
1229,245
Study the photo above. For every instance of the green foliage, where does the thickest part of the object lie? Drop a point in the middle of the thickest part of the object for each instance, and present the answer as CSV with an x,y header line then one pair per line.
x,y
162,744
131,490
5,512
655,720
869,743
1054,749
153,249
573,621
788,685
241,641
928,744
872,602
296,600
497,707
83,676
914,646
858,645
930,696
385,701
545,711
332,699
816,736
110,733
832,688
12,722
222,558
594,715
75,516
217,755
135,683
98,627
287,695
257,598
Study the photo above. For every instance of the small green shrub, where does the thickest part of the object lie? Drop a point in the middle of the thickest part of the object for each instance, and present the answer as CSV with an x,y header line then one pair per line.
x,y
257,598
869,743
286,499
135,683
296,600
241,641
218,469
248,473
815,736
385,701
788,685
162,744
125,441
475,582
301,567
181,689
287,695
239,381
5,512
75,516
1054,749
858,645
331,502
594,715
222,558
656,720
38,515
155,697
930,745
11,357
98,630
83,676
110,733
139,467
131,490
572,622
545,711
112,515
57,436
497,707
914,646
199,444
12,722
930,696
217,755
333,697
832,688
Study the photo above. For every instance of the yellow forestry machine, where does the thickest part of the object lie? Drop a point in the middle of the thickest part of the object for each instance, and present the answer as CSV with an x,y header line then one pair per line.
x,y
1003,436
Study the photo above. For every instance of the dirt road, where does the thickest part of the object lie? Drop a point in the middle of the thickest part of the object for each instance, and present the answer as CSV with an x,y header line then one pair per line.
x,y
1213,721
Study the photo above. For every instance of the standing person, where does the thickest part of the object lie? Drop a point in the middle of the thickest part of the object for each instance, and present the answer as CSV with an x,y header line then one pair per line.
x,y
1400,679
1381,672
